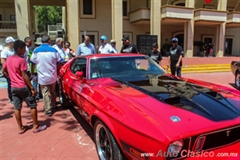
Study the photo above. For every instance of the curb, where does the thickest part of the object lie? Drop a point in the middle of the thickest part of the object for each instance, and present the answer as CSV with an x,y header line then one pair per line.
x,y
205,68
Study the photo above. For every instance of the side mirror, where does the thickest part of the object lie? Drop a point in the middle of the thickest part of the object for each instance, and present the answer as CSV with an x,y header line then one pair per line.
x,y
79,74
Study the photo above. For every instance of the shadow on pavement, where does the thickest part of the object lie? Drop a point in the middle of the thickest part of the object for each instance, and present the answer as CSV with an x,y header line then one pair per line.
x,y
88,129
6,115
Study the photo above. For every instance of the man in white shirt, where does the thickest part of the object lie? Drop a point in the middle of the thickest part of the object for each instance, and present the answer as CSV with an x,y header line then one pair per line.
x,y
59,47
6,52
105,47
47,60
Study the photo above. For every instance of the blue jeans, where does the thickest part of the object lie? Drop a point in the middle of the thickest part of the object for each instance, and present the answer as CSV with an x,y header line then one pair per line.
x,y
37,88
174,69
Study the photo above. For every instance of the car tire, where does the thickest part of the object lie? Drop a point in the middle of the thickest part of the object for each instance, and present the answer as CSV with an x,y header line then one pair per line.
x,y
237,80
106,145
64,101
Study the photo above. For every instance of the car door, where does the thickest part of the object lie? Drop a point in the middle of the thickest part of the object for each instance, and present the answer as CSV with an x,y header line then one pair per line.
x,y
75,83
81,88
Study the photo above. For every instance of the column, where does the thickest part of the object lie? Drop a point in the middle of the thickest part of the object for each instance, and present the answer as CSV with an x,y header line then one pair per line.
x,y
189,32
220,39
23,19
188,38
220,31
190,3
222,5
64,21
64,17
117,22
73,25
155,20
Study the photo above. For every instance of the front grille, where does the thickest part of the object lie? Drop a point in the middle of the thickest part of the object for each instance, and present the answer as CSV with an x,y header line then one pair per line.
x,y
213,140
221,137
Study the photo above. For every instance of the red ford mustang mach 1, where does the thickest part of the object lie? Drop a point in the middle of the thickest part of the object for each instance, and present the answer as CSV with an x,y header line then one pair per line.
x,y
138,111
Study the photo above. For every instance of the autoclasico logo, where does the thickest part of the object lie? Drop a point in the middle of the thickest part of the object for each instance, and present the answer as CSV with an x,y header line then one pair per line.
x,y
185,154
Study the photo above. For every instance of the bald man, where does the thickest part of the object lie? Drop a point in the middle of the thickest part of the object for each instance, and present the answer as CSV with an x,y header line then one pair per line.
x,y
86,47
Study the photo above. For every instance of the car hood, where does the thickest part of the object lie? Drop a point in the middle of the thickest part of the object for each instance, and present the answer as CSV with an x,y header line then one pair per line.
x,y
180,103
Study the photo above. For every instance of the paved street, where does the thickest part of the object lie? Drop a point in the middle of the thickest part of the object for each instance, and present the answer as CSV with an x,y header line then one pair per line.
x,y
222,78
68,136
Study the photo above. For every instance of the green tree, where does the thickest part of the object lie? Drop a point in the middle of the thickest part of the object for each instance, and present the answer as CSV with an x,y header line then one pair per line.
x,y
48,15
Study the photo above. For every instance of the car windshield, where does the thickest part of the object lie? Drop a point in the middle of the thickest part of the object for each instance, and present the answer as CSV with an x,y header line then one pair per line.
x,y
123,66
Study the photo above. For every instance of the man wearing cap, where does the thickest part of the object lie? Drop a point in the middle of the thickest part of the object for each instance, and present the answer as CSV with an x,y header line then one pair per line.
x,y
175,58
113,44
6,52
105,47
86,47
36,86
128,47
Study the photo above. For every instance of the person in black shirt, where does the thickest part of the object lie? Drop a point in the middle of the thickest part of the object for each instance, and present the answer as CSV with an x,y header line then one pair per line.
x,y
175,58
128,47
155,54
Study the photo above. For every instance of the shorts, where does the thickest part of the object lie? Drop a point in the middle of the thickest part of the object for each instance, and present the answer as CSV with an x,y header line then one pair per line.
x,y
23,94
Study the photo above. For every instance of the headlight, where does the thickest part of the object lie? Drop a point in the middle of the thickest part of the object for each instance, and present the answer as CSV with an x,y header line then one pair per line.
x,y
175,148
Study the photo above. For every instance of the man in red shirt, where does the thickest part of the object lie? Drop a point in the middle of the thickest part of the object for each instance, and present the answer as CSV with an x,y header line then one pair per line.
x,y
16,68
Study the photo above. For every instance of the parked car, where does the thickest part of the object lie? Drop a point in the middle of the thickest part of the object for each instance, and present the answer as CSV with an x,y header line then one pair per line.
x,y
138,111
235,67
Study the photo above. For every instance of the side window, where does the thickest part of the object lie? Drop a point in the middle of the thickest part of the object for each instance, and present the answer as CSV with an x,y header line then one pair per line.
x,y
79,64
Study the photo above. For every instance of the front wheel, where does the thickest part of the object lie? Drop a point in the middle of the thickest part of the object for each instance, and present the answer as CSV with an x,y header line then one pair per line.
x,y
106,145
237,80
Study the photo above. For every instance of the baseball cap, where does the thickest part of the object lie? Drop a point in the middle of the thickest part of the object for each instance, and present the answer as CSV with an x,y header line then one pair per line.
x,y
9,40
174,39
103,38
39,41
125,38
113,41
155,45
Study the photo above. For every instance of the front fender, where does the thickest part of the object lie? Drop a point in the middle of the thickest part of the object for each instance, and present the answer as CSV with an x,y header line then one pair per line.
x,y
105,119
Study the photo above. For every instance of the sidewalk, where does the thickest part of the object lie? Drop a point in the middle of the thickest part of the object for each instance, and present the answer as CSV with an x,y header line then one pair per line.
x,y
205,60
205,64
66,138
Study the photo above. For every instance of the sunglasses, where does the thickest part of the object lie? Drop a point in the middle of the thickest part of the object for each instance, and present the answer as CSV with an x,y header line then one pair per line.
x,y
174,41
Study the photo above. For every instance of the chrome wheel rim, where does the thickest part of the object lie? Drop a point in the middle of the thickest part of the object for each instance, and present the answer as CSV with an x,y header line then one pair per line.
x,y
103,144
238,80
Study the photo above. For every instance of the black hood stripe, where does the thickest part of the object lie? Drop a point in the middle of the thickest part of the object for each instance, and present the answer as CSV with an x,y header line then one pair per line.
x,y
194,98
